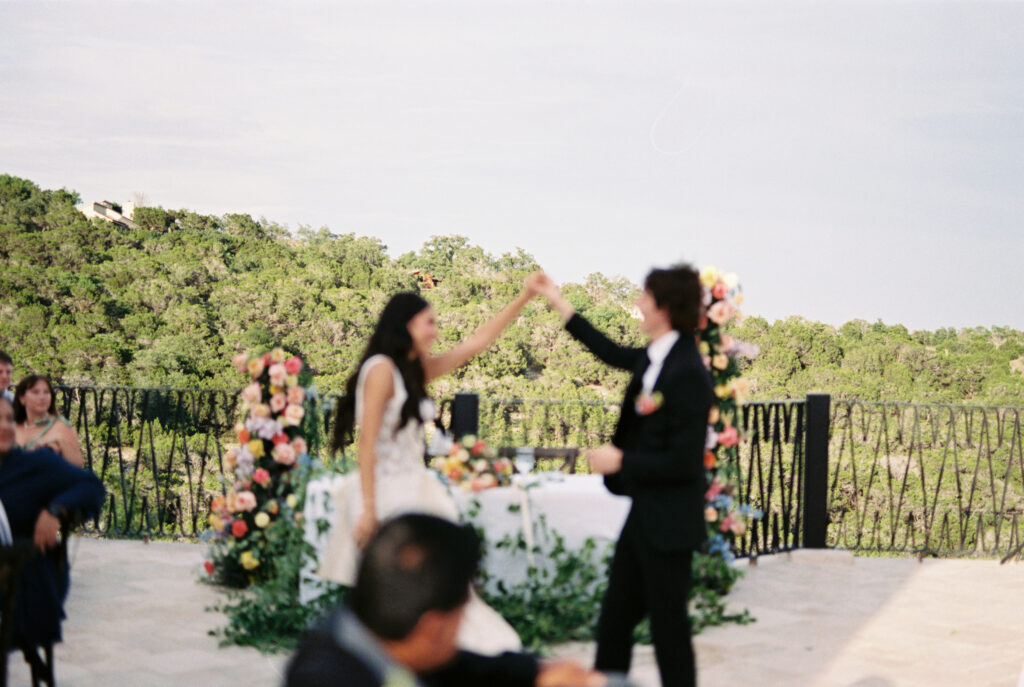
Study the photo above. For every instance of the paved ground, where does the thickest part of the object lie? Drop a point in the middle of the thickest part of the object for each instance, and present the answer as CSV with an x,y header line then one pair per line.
x,y
137,617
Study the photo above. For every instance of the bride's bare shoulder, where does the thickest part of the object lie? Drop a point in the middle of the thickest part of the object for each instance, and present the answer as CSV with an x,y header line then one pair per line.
x,y
378,375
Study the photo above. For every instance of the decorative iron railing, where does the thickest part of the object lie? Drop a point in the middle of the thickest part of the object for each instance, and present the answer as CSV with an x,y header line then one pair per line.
x,y
934,479
873,477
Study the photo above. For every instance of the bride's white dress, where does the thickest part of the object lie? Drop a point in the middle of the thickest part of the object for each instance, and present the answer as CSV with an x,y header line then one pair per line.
x,y
404,485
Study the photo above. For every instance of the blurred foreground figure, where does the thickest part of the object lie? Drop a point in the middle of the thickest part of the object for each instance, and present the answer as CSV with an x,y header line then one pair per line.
x,y
399,626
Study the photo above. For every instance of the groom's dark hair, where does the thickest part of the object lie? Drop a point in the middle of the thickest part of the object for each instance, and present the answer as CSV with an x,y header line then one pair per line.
x,y
678,290
414,564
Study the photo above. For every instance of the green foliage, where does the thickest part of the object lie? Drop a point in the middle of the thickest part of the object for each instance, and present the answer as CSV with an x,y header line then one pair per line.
x,y
165,304
269,616
560,599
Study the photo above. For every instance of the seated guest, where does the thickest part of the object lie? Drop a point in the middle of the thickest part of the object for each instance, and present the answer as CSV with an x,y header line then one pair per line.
x,y
35,412
37,490
6,375
402,617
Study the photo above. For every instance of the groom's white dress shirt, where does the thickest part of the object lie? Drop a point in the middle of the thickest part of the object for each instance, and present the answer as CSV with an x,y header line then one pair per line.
x,y
657,351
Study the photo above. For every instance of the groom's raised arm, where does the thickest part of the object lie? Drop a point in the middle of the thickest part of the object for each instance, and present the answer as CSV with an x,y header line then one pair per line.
x,y
600,345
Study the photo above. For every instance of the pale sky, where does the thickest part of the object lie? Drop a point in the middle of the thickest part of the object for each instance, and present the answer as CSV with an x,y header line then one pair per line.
x,y
848,160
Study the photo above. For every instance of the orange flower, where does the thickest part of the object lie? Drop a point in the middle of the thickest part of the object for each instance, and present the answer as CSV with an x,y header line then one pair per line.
x,y
709,460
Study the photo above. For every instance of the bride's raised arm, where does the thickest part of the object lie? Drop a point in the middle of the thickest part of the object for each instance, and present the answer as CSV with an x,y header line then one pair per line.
x,y
439,365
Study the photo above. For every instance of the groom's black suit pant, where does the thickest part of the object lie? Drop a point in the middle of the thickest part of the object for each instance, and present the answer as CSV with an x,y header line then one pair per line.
x,y
646,581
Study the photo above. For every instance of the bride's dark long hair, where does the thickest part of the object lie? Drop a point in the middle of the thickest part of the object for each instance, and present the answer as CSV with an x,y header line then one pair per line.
x,y
390,337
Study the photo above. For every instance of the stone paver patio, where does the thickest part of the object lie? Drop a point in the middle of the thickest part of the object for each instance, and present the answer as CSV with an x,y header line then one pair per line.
x,y
137,617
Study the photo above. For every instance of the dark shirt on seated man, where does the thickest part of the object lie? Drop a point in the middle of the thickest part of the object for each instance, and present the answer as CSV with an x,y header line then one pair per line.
x,y
399,626
37,490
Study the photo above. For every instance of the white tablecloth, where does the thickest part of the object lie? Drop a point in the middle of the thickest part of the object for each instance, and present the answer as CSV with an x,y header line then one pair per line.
x,y
577,507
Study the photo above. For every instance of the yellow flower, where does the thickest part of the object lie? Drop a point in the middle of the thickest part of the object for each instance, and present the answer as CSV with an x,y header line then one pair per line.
x,y
714,415
275,390
720,361
711,514
708,276
738,300
249,561
741,387
262,520
278,355
256,367
723,390
216,523
292,500
292,380
704,348
256,448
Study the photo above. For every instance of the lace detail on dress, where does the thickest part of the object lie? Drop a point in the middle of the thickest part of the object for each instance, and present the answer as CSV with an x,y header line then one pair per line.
x,y
398,449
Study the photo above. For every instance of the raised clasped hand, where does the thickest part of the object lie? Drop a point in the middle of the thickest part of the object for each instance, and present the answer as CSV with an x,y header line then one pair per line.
x,y
535,283
541,283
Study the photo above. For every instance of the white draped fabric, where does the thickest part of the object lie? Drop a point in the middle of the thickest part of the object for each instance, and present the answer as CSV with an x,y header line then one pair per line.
x,y
577,507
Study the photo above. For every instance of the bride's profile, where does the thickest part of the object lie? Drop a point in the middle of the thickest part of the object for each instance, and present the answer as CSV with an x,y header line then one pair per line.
x,y
386,399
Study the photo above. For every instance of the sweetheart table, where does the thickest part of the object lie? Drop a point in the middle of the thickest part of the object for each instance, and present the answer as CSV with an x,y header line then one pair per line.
x,y
577,507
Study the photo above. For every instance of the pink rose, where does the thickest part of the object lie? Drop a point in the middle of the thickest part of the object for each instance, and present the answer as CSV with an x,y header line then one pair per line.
x,y
277,402
245,500
252,393
719,290
261,477
299,444
728,437
726,524
293,415
296,395
277,374
293,365
721,312
284,454
241,363
714,490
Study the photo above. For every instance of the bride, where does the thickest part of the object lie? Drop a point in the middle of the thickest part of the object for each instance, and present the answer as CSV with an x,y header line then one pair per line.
x,y
387,399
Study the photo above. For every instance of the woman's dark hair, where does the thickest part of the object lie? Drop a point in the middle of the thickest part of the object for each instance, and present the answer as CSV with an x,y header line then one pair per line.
x,y
678,290
414,564
20,415
391,337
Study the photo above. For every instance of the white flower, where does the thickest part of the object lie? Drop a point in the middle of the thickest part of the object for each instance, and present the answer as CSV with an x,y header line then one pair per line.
x,y
712,439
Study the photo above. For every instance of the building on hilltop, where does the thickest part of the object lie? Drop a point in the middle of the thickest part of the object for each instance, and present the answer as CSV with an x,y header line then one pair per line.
x,y
112,212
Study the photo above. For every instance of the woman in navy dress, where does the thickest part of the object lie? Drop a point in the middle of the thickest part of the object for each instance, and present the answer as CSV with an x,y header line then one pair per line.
x,y
37,489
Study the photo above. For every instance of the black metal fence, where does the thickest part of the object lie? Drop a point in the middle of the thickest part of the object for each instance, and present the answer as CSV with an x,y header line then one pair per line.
x,y
871,477
934,479
159,452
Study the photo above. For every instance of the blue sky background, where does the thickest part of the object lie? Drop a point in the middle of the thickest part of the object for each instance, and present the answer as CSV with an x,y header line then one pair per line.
x,y
848,160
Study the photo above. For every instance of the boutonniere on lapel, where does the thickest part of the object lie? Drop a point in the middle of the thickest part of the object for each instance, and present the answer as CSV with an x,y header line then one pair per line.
x,y
648,403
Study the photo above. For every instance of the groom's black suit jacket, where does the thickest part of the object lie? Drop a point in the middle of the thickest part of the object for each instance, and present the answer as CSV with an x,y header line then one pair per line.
x,y
662,452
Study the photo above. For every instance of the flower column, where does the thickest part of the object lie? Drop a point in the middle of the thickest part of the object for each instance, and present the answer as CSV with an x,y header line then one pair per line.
x,y
260,468
725,516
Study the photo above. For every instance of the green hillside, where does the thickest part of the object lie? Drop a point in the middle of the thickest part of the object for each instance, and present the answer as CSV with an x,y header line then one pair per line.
x,y
167,304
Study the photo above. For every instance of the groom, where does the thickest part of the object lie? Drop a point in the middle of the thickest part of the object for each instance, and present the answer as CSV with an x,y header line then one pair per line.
x,y
656,458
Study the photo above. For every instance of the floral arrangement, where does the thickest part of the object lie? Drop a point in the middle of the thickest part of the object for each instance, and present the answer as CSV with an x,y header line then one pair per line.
x,y
472,465
726,517
261,488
